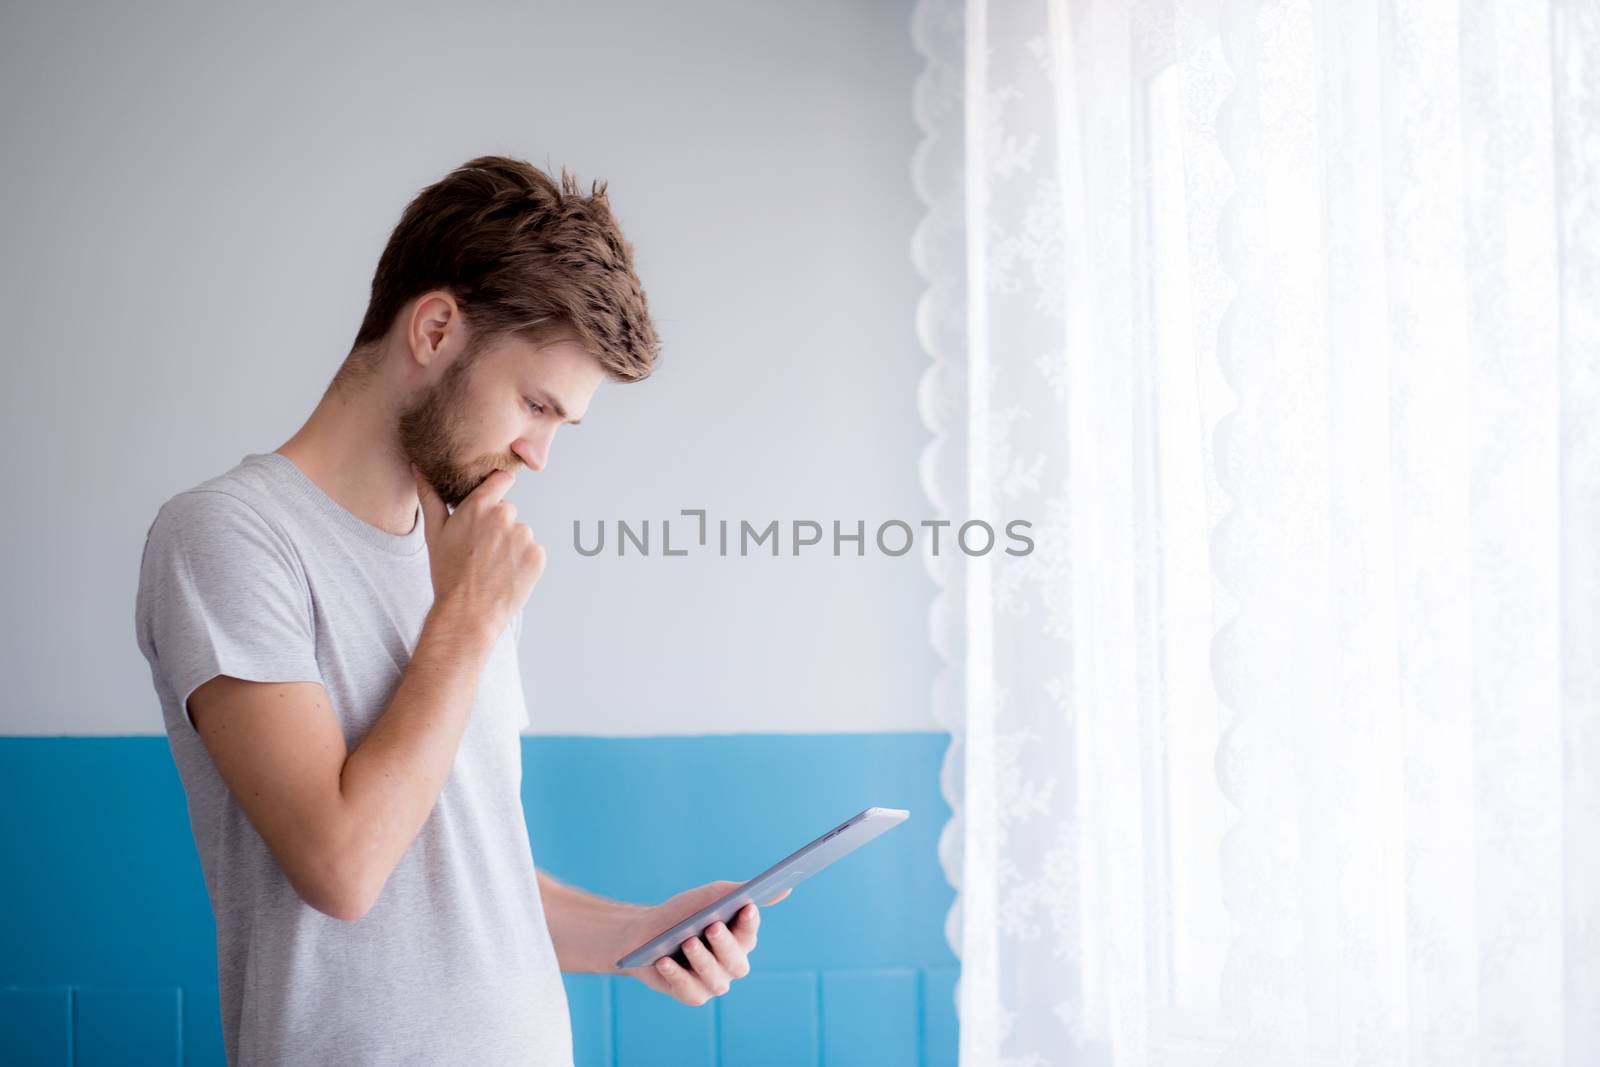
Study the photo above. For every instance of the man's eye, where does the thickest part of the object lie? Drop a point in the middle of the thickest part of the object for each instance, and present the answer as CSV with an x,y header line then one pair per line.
x,y
538,408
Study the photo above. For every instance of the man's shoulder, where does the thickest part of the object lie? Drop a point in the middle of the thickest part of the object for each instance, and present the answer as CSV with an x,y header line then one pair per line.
x,y
213,542
238,496
234,515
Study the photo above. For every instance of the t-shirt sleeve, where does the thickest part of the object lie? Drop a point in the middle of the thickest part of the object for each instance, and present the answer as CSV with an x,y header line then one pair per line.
x,y
221,592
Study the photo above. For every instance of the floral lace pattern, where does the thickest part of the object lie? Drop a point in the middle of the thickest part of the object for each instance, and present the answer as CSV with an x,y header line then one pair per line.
x,y
1279,321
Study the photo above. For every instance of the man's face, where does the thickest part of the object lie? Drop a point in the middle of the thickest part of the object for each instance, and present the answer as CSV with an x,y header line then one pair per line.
x,y
495,410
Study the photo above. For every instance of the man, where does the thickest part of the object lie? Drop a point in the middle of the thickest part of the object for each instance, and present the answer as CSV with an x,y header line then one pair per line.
x,y
335,650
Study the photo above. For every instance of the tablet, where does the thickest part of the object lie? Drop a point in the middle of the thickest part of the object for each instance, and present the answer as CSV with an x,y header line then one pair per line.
x,y
791,870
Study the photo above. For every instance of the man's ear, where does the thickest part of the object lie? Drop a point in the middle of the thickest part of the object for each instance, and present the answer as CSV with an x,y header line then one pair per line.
x,y
436,323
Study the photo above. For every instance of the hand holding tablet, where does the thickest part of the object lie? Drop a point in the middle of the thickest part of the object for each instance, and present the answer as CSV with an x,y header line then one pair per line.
x,y
775,880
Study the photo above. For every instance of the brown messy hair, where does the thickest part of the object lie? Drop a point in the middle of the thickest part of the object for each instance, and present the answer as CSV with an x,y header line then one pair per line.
x,y
523,257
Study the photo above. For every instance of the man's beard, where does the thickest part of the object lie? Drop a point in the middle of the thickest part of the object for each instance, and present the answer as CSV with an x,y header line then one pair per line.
x,y
426,432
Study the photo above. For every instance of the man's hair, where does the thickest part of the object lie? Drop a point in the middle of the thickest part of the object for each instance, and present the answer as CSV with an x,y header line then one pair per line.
x,y
523,257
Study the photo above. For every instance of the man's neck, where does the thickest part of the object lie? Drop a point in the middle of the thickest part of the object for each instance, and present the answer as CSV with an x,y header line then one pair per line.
x,y
347,447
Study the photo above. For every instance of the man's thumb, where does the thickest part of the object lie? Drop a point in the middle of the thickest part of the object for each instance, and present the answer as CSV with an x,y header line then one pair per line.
x,y
433,510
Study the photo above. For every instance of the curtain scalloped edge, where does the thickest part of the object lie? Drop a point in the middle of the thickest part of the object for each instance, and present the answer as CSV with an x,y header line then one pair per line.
x,y
937,100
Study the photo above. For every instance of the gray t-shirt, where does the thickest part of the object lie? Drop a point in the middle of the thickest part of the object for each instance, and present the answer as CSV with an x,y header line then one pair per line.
x,y
259,574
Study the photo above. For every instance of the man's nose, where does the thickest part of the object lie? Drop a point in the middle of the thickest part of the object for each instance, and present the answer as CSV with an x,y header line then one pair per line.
x,y
533,453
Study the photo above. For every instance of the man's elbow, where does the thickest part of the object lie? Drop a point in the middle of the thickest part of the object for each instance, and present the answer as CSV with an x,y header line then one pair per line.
x,y
338,889
348,906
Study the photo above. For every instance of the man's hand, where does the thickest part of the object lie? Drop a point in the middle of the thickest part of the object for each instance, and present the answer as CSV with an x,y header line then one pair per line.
x,y
483,563
717,957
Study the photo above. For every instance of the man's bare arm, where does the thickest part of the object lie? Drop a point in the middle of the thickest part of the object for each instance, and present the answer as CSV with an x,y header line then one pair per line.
x,y
390,783
339,823
583,926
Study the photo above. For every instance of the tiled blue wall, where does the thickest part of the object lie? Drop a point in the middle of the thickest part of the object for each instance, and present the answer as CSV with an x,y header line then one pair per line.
x,y
107,949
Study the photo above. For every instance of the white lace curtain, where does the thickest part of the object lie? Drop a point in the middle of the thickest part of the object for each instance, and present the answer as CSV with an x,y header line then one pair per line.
x,y
1280,320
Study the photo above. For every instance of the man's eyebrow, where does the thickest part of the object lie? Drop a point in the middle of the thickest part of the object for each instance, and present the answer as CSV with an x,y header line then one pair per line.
x,y
561,412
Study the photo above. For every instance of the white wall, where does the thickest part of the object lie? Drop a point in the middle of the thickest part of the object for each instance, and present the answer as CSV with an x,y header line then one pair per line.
x,y
192,202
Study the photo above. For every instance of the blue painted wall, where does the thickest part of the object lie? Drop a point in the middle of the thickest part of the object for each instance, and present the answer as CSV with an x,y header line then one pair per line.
x,y
107,949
